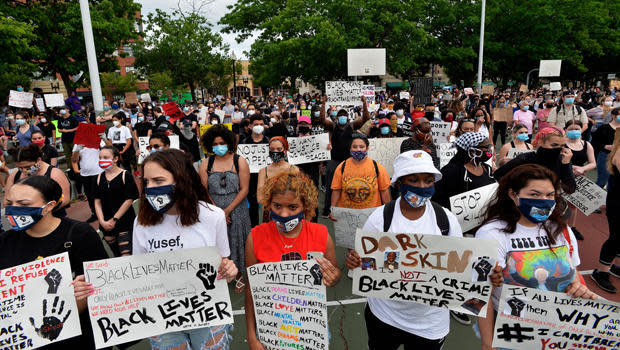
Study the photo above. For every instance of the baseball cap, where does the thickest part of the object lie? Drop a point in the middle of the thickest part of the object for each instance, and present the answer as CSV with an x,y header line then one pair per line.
x,y
304,118
414,162
383,121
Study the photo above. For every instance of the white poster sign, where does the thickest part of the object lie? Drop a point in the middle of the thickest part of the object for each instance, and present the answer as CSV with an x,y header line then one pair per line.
x,y
364,62
40,104
290,305
469,206
20,99
534,319
143,142
145,295
54,100
220,113
433,270
308,149
344,93
513,152
257,155
349,220
549,68
440,131
174,142
446,152
588,197
37,306
404,95
384,151
145,97
555,86
369,92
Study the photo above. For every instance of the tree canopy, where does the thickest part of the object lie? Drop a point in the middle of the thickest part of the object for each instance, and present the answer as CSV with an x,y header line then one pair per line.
x,y
16,66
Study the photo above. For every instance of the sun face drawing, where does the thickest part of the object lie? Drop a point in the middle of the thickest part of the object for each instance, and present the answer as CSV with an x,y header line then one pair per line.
x,y
360,191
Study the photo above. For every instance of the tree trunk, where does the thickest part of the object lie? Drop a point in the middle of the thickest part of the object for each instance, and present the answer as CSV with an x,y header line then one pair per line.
x,y
191,89
66,79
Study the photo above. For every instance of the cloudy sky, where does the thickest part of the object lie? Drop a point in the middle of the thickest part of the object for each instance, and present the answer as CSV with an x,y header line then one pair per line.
x,y
213,11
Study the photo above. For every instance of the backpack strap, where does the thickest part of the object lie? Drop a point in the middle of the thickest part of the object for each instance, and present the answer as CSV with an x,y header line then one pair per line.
x,y
388,214
441,218
342,168
68,242
376,170
210,161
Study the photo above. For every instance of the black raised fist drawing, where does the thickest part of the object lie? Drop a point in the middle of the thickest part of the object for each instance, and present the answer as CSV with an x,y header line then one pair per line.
x,y
52,324
206,273
516,305
483,267
53,279
316,273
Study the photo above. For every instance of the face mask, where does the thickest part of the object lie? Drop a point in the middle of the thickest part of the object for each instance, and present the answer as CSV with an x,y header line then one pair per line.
x,y
416,196
333,114
160,198
20,89
220,150
573,134
608,103
385,130
569,100
106,164
258,129
33,170
549,154
43,120
167,118
276,156
618,118
400,112
186,109
116,123
449,118
63,112
251,112
140,119
429,115
21,218
105,108
526,107
342,120
273,120
114,106
287,224
39,142
536,210
304,129
10,117
500,105
549,105
358,155
523,137
485,156
214,122
20,122
316,114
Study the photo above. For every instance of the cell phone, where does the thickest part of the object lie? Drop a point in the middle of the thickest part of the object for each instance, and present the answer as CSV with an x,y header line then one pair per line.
x,y
313,255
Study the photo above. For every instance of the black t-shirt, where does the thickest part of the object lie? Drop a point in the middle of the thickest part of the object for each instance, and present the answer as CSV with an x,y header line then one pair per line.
x,y
459,180
278,129
341,142
113,194
249,140
142,129
68,123
48,130
49,152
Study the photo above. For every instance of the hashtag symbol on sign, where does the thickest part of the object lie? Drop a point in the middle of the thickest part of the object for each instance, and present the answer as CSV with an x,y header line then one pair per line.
x,y
509,333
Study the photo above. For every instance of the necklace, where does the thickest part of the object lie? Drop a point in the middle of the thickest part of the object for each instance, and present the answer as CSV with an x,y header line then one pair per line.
x,y
288,246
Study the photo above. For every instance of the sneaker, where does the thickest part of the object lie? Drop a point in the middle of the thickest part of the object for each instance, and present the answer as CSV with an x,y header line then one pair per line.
x,y
92,218
577,234
602,280
460,318
325,215
350,274
614,270
322,188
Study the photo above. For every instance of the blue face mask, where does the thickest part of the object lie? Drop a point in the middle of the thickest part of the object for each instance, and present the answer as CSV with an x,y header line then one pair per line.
x,y
536,210
523,137
358,155
106,108
333,114
618,118
526,107
21,218
220,150
342,120
140,119
569,100
167,117
20,89
114,106
287,224
385,130
573,134
160,198
416,196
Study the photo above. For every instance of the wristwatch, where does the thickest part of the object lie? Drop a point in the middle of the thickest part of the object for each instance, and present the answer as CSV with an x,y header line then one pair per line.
x,y
115,219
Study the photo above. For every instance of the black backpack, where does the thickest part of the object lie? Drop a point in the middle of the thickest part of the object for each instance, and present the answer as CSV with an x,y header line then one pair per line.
x,y
344,163
440,217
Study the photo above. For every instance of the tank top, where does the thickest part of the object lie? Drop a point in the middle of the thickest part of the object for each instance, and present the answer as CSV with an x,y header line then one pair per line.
x,y
269,243
527,145
580,158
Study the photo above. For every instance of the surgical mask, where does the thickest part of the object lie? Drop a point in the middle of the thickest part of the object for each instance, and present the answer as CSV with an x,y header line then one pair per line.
x,y
316,114
416,197
618,118
160,198
20,122
342,120
523,137
115,106
358,155
140,119
186,109
106,164
526,107
63,112
105,108
608,103
569,100
43,120
333,114
21,218
214,122
220,150
116,123
33,170
258,129
167,117
573,134
536,210
251,112
274,120
20,89
400,112
385,130
276,156
287,224
304,129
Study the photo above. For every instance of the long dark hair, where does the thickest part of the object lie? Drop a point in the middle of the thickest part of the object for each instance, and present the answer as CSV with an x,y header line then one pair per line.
x,y
503,208
49,189
188,189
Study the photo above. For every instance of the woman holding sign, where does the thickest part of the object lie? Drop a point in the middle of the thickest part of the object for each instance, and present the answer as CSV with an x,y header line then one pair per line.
x,y
519,142
536,247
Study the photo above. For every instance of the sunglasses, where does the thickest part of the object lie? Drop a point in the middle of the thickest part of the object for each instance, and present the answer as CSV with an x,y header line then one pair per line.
x,y
149,147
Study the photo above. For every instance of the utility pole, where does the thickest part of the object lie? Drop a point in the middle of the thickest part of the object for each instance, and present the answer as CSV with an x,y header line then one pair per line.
x,y
93,69
481,51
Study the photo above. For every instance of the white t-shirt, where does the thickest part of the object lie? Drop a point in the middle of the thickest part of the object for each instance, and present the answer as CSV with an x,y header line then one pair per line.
x,y
209,231
424,321
89,160
531,261
119,135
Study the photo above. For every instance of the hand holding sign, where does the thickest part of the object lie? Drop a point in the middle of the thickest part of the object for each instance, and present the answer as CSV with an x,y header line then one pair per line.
x,y
52,324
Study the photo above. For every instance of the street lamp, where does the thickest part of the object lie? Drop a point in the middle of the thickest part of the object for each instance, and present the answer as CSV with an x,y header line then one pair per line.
x,y
234,58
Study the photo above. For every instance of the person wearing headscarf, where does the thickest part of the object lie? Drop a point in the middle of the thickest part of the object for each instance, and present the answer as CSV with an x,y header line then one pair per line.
x,y
421,139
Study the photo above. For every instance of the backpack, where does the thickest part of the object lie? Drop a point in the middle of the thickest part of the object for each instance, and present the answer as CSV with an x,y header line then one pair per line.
x,y
440,216
373,163
558,108
211,160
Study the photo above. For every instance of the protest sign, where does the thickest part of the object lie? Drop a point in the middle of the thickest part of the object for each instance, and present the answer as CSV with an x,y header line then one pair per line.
x,y
555,86
503,114
306,112
369,92
145,295
54,100
20,99
614,84
343,93
146,97
257,155
204,128
349,220
37,304
403,95
513,152
549,68
440,131
88,135
384,151
308,149
40,104
488,89
534,319
171,109
469,206
468,91
422,90
143,142
131,97
433,270
290,305
523,88
220,113
588,197
174,142
446,152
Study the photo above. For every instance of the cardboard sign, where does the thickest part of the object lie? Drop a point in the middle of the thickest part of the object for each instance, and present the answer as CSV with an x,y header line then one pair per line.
x,y
433,270
171,109
503,114
54,100
21,99
523,88
446,152
174,142
143,142
257,155
145,295
614,84
88,135
534,319
204,128
220,113
514,152
588,197
384,151
308,149
131,97
488,89
37,304
369,92
344,93
290,305
40,104
403,95
468,91
145,97
440,131
550,68
349,220
555,86
469,206
422,90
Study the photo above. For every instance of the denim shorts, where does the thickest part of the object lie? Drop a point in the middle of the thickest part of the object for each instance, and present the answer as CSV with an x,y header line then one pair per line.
x,y
209,338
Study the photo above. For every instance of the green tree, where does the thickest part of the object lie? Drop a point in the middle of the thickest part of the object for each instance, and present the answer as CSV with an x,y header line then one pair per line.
x,y
16,66
162,81
116,84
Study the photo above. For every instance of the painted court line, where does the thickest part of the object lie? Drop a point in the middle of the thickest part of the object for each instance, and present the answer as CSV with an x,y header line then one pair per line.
x,y
329,303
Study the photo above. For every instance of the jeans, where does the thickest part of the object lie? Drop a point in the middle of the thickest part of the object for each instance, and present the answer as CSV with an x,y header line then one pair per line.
x,y
208,338
602,174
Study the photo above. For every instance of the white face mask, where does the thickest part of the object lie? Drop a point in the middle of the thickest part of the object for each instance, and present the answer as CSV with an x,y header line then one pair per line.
x,y
258,129
116,123
608,103
400,112
43,120
251,112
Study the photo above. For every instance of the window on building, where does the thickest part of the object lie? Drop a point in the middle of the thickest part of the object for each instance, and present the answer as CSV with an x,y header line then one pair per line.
x,y
128,50
129,69
255,92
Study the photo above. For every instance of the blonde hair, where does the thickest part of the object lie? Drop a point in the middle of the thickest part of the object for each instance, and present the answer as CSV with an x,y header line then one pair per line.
x,y
299,184
614,149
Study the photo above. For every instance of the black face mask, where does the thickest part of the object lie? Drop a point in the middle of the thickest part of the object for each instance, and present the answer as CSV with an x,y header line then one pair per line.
x,y
304,129
429,115
276,156
550,155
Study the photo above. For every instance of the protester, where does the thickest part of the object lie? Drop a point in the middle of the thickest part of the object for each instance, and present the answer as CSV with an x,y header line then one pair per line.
x,y
278,147
257,125
23,133
602,141
143,127
502,113
85,164
188,142
67,126
49,130
465,125
50,155
483,121
421,139
73,102
567,110
120,137
520,138
543,114
525,117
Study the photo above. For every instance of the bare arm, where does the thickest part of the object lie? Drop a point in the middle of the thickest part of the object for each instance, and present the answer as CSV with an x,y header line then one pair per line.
x,y
486,327
58,176
202,172
365,115
326,122
385,196
250,319
261,183
335,197
9,182
123,209
591,159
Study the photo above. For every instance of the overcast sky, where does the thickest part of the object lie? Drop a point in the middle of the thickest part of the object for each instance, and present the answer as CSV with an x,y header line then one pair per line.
x,y
213,12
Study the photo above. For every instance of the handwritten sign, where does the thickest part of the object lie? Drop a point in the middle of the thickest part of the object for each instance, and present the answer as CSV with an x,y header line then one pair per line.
x,y
446,152
555,86
469,206
20,99
308,149
422,90
37,304
588,197
523,88
131,97
171,109
514,152
440,132
40,104
205,127
220,113
54,100
143,143
257,155
145,295
404,95
433,270
349,220
503,114
369,92
344,93
146,97
488,89
534,319
384,151
290,305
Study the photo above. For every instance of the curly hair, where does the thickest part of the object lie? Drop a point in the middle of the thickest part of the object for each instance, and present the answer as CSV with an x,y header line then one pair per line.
x,y
215,131
294,181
